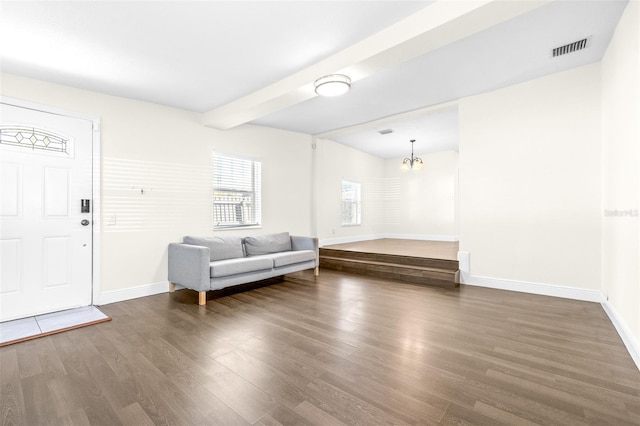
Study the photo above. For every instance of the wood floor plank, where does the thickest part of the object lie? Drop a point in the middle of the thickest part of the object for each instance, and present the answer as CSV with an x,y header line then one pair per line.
x,y
605,399
80,389
299,367
338,349
507,404
461,416
222,414
287,393
246,399
403,407
281,416
28,360
12,408
75,418
141,377
347,407
436,249
612,409
39,399
50,361
134,415
315,416
503,416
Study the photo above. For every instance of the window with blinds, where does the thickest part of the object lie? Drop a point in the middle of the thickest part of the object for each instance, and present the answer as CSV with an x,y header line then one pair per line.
x,y
236,192
351,204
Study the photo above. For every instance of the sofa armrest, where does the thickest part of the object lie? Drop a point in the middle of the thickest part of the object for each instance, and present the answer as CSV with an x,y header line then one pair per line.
x,y
189,266
305,243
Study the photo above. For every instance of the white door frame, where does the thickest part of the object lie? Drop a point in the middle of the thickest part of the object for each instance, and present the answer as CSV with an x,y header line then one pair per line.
x,y
96,215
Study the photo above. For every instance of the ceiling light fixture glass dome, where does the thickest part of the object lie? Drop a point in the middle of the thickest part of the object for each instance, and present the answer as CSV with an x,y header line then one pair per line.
x,y
332,85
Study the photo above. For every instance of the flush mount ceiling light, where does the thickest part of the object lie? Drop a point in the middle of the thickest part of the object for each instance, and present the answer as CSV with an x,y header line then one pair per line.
x,y
332,85
413,163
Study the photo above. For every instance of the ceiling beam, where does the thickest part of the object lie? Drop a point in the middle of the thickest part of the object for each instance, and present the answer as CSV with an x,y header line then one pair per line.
x,y
440,23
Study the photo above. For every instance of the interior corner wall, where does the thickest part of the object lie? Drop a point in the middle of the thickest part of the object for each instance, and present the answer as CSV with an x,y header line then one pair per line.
x,y
167,152
529,181
621,176
335,162
425,204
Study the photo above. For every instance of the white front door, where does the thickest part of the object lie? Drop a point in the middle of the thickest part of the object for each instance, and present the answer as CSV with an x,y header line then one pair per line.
x,y
45,237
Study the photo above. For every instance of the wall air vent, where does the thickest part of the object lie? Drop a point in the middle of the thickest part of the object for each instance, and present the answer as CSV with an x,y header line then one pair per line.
x,y
385,131
571,47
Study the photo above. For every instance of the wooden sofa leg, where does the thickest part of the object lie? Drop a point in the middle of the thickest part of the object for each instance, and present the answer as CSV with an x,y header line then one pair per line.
x,y
202,298
172,287
316,271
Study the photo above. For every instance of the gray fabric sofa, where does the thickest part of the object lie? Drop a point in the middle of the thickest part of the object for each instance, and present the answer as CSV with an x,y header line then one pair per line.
x,y
213,263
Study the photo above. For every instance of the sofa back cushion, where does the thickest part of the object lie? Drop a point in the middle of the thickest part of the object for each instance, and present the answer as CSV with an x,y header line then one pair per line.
x,y
220,248
265,244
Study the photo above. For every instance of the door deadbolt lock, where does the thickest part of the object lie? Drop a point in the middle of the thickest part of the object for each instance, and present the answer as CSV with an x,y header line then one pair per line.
x,y
84,222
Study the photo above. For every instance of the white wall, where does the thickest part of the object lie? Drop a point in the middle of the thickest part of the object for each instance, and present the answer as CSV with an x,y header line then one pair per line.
x,y
168,152
395,204
529,180
333,163
621,164
426,204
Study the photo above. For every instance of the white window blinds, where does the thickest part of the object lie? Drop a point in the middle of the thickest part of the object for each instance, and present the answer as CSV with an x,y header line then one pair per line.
x,y
236,192
351,204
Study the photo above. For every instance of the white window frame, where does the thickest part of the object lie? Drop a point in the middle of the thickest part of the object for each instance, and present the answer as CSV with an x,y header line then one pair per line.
x,y
237,194
351,206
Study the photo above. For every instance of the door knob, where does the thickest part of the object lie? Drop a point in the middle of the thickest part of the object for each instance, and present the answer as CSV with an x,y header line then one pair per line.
x,y
84,222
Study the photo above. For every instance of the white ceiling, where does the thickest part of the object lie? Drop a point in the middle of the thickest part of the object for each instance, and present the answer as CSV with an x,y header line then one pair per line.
x,y
239,61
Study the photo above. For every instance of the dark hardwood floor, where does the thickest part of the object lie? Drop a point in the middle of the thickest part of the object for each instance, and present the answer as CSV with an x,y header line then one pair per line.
x,y
446,250
341,349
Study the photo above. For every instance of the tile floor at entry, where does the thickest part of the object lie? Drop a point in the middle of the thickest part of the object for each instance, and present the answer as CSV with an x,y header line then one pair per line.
x,y
43,324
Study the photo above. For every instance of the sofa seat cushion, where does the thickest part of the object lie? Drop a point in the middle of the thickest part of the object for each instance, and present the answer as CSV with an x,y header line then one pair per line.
x,y
220,248
224,268
265,244
290,257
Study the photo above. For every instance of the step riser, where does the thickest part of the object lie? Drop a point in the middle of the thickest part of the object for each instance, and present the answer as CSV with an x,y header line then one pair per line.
x,y
444,278
388,268
451,265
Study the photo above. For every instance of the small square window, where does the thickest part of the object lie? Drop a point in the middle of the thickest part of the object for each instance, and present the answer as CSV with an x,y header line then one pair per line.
x,y
351,203
236,192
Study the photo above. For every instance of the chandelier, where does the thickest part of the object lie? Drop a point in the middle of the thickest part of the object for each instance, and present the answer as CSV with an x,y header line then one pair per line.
x,y
413,163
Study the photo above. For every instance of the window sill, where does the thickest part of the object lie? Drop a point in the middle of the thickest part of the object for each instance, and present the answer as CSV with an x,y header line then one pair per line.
x,y
235,228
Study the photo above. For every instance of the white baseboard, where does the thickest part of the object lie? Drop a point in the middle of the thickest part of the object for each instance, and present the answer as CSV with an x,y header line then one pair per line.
x,y
357,238
451,238
535,288
629,340
132,293
464,262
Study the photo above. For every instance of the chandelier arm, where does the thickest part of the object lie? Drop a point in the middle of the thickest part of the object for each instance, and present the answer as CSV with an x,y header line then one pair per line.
x,y
411,161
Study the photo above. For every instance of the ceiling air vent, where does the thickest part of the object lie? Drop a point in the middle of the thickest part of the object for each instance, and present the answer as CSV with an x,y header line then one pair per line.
x,y
571,47
385,131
